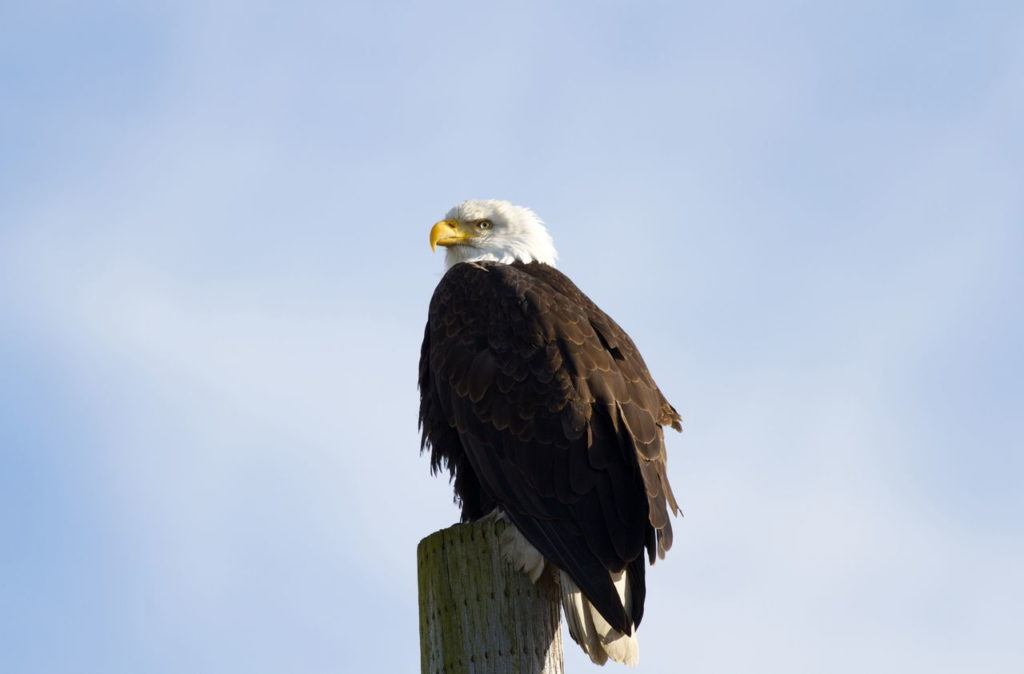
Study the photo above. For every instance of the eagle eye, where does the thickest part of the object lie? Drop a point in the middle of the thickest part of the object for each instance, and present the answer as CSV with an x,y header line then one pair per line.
x,y
484,224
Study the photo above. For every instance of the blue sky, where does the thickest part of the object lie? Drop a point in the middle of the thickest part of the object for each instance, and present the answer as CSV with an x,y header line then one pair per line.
x,y
214,276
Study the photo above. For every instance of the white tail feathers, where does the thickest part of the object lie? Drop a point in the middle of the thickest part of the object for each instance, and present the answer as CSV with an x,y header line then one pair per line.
x,y
587,627
599,640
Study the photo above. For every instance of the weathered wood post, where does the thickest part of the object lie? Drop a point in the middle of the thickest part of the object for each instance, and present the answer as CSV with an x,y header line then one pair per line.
x,y
478,615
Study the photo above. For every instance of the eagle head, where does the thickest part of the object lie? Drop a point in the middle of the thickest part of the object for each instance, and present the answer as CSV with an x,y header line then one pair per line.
x,y
479,230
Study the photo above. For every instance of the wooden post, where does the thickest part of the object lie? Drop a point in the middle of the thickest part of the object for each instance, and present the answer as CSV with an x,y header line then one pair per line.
x,y
478,615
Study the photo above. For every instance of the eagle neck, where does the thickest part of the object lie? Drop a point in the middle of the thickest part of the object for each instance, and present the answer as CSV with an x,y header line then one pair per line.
x,y
457,254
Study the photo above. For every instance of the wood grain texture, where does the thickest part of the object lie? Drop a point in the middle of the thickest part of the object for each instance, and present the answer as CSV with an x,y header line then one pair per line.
x,y
478,615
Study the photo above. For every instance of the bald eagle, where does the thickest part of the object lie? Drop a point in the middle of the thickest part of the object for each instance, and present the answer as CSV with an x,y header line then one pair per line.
x,y
543,412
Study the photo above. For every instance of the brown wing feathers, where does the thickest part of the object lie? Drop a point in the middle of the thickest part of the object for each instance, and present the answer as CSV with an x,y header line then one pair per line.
x,y
537,402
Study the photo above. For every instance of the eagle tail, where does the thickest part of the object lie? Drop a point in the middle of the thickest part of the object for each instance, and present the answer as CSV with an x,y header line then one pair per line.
x,y
587,627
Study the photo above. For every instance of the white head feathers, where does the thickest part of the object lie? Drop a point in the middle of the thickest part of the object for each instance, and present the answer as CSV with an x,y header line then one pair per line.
x,y
513,233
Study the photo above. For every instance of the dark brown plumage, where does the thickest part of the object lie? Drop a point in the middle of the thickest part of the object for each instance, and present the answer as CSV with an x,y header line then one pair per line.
x,y
537,402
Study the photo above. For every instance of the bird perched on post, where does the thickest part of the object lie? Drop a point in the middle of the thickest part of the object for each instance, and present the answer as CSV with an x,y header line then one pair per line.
x,y
543,412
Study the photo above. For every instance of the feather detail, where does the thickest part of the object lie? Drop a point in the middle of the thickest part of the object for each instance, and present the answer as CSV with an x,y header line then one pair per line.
x,y
599,640
519,552
536,402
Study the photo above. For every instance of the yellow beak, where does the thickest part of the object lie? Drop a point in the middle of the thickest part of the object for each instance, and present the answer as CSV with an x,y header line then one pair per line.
x,y
446,233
